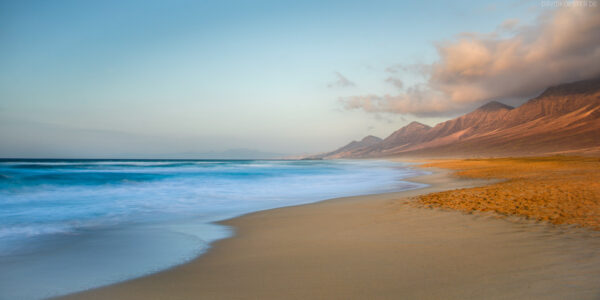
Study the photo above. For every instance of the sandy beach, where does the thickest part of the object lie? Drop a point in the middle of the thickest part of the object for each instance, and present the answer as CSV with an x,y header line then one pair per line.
x,y
304,150
556,189
381,247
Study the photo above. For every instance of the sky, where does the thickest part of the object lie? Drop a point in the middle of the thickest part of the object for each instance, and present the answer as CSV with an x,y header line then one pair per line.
x,y
100,79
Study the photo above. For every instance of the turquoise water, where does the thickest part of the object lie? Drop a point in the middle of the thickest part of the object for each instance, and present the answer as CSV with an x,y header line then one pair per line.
x,y
70,225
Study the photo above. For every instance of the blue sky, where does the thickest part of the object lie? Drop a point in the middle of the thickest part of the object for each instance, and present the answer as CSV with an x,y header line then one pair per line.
x,y
104,78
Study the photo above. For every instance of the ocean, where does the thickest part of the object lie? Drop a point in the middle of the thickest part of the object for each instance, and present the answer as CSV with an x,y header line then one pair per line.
x,y
71,225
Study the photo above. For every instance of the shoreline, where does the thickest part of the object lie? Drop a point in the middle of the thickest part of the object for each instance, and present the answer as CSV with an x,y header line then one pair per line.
x,y
271,256
140,218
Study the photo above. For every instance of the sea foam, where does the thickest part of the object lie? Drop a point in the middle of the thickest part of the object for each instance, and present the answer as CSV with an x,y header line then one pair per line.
x,y
138,217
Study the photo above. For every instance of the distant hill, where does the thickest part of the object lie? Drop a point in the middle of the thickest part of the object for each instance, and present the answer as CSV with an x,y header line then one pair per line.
x,y
239,153
563,119
410,134
351,148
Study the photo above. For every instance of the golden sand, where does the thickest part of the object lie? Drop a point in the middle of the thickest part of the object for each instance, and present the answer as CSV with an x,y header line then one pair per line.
x,y
558,189
379,247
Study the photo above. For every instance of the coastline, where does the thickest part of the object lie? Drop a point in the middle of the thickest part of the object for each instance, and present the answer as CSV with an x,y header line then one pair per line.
x,y
377,246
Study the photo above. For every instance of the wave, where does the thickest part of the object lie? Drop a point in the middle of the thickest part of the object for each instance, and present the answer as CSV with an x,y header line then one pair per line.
x,y
121,192
139,217
12,232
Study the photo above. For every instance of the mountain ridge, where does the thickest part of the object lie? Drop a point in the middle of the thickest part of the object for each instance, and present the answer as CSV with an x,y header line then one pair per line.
x,y
349,148
564,118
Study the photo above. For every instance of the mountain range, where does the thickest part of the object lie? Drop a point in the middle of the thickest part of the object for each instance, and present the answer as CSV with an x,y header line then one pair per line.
x,y
563,119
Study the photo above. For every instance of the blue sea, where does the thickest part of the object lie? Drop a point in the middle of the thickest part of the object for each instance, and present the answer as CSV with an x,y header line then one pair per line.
x,y
71,225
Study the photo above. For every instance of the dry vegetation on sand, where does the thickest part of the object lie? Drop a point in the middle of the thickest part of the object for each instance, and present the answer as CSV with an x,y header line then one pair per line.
x,y
558,189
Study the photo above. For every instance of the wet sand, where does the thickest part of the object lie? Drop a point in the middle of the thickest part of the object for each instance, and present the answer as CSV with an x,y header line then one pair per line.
x,y
381,247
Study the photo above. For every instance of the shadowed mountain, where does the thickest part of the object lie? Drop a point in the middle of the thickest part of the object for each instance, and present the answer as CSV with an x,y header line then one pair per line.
x,y
351,148
406,136
563,119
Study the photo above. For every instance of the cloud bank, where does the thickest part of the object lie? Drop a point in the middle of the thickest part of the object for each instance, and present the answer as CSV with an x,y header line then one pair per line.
x,y
562,46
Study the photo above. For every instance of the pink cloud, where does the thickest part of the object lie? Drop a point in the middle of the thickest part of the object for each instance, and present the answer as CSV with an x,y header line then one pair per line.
x,y
563,46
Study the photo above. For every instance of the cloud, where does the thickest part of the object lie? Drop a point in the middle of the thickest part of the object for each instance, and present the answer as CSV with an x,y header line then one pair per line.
x,y
418,100
508,25
563,45
416,68
395,82
341,81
